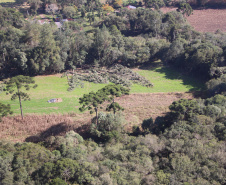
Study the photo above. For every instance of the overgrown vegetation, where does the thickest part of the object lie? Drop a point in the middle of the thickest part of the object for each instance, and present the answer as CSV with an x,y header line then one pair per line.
x,y
188,148
184,146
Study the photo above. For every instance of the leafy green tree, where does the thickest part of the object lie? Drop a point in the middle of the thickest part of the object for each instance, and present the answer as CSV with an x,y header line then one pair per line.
x,y
185,9
79,47
69,11
4,110
34,5
200,59
15,86
183,109
103,46
58,181
32,34
110,126
154,3
10,16
12,56
46,57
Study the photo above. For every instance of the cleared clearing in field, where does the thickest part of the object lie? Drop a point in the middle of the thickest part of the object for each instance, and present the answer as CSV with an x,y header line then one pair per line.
x,y
165,80
141,104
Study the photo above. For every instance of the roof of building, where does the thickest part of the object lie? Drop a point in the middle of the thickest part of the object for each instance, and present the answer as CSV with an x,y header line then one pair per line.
x,y
59,25
131,7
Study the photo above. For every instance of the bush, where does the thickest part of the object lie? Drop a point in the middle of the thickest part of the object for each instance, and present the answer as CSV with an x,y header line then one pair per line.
x,y
109,126
58,181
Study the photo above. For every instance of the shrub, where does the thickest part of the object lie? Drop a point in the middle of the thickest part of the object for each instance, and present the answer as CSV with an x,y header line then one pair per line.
x,y
58,181
109,126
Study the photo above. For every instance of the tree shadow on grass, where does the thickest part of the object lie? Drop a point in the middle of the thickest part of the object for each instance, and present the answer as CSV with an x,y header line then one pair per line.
x,y
59,130
55,130
194,83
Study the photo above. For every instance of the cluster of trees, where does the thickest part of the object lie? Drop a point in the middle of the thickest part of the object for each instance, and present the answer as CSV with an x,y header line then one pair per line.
x,y
29,48
131,37
94,100
184,147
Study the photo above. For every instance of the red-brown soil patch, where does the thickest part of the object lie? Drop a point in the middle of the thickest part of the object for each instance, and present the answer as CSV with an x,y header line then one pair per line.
x,y
206,20
137,108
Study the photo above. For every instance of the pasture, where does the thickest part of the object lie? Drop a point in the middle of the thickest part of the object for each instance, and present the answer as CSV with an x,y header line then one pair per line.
x,y
41,116
7,1
165,80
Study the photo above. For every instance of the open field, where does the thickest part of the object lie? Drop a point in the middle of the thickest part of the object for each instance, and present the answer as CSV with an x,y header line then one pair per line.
x,y
164,80
36,127
206,20
143,103
7,1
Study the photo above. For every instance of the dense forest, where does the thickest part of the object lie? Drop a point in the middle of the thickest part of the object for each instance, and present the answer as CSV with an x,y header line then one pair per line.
x,y
185,146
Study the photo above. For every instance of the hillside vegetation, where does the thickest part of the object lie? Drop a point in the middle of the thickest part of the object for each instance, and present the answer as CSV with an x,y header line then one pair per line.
x,y
151,88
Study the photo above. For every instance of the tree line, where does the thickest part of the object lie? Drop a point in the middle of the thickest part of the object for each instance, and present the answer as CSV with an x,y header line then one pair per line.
x,y
130,37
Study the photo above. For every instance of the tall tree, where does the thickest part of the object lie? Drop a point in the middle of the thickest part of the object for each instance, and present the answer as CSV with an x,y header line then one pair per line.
x,y
15,86
103,46
185,9
112,91
92,101
34,5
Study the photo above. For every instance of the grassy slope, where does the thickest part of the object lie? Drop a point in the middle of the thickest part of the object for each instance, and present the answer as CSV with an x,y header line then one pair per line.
x,y
7,1
165,80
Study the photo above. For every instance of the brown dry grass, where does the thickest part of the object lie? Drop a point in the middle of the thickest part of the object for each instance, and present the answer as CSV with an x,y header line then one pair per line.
x,y
143,106
36,127
206,20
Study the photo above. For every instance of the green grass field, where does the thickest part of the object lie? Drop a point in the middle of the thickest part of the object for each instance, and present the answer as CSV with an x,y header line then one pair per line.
x,y
164,80
7,1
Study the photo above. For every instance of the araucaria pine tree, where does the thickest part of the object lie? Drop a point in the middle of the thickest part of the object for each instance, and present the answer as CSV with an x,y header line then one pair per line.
x,y
15,86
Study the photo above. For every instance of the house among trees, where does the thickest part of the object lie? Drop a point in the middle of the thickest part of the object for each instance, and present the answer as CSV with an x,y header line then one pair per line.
x,y
130,7
43,21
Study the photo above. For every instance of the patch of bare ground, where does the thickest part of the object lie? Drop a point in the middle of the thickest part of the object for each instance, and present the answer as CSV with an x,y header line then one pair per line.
x,y
143,106
205,20
34,128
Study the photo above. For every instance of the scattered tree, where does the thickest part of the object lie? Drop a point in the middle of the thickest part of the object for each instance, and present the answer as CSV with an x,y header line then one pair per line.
x,y
112,91
108,8
15,86
92,102
185,9
70,11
